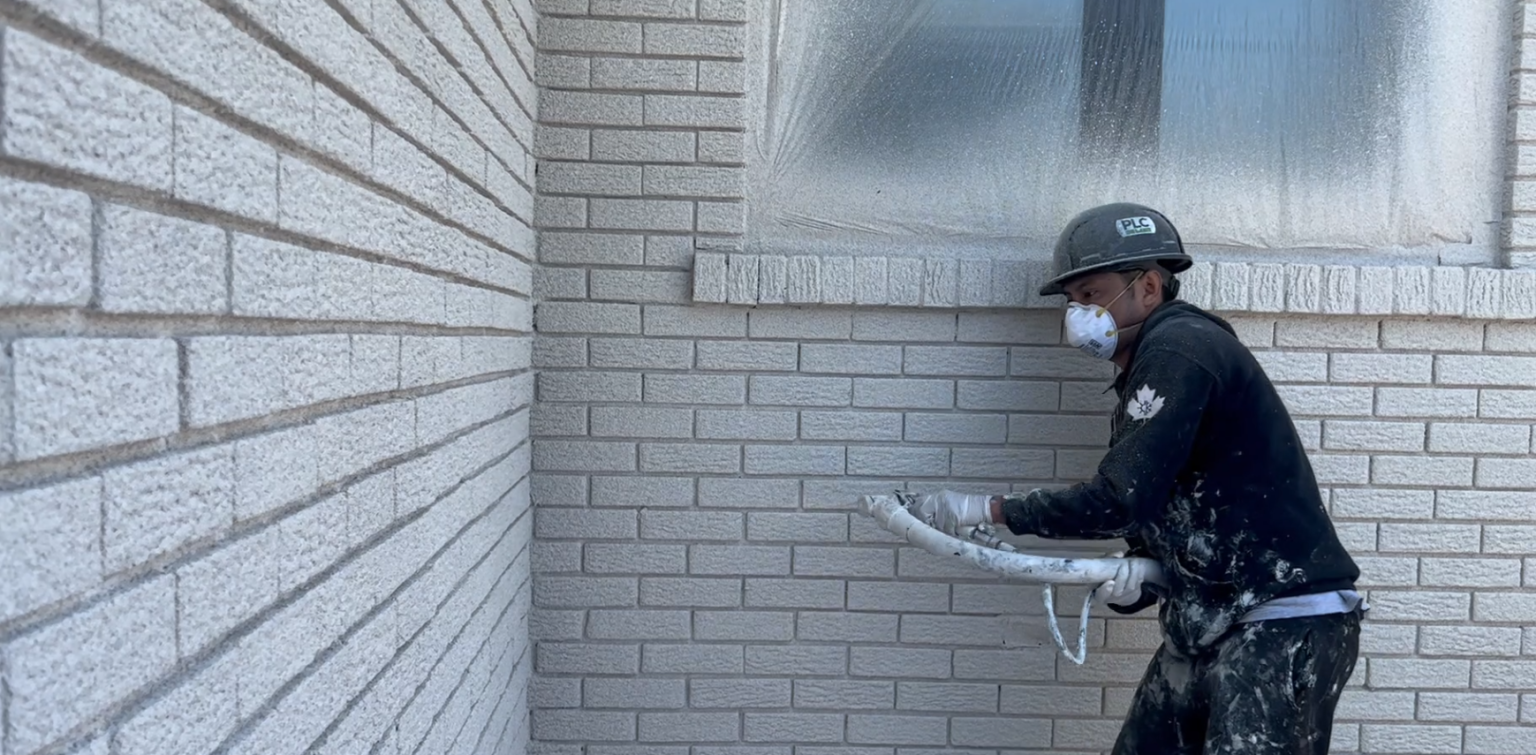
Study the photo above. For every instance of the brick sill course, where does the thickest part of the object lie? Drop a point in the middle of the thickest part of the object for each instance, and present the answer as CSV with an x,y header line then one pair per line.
x,y
936,283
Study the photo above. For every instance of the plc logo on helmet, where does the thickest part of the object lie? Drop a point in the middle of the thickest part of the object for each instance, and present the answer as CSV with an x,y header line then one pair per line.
x,y
1135,226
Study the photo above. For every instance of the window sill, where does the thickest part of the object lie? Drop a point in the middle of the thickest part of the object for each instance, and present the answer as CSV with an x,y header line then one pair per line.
x,y
941,283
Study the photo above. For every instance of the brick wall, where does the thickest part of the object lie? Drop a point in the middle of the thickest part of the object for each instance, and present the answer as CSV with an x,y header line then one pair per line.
x,y
705,419
264,308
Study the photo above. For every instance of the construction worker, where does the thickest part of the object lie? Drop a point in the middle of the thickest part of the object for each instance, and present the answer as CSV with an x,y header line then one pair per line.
x,y
1206,476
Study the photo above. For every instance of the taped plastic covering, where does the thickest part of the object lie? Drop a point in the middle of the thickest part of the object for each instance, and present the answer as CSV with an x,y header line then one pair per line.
x,y
976,127
985,551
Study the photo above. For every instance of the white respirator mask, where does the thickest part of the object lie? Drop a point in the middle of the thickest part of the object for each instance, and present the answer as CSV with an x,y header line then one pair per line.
x,y
1092,328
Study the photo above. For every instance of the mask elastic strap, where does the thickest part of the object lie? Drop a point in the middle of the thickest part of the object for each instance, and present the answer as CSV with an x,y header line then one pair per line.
x,y
1106,307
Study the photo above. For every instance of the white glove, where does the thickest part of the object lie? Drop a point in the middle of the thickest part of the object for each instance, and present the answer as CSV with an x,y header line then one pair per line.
x,y
949,512
1124,588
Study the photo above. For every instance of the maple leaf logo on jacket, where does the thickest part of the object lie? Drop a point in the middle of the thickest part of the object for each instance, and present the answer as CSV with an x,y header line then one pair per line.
x,y
1145,404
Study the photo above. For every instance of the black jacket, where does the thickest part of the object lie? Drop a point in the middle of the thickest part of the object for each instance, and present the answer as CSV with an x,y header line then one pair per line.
x,y
1206,474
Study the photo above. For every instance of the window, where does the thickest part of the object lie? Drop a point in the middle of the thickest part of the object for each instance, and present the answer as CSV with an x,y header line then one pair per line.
x,y
1340,129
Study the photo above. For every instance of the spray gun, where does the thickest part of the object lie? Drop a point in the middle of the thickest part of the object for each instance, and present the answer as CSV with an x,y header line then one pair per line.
x,y
983,548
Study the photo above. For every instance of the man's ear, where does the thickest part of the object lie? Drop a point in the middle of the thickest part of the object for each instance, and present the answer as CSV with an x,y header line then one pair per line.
x,y
1151,287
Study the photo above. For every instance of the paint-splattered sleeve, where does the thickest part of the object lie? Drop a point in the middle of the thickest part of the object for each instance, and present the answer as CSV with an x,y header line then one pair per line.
x,y
1168,395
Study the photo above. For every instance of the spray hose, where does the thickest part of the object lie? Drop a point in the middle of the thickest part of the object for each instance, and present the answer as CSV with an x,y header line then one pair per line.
x,y
983,549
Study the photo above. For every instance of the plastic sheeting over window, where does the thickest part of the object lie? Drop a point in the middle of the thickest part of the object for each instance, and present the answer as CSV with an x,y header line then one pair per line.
x,y
977,127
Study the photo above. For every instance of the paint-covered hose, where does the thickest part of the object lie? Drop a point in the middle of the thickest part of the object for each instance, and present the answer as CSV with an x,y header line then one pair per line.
x,y
1001,558
890,512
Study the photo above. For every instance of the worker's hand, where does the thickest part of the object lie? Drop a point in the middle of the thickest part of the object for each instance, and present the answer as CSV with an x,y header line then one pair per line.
x,y
1124,589
949,512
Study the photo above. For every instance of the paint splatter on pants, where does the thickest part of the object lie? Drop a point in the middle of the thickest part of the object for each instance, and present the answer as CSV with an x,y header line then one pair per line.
x,y
1267,688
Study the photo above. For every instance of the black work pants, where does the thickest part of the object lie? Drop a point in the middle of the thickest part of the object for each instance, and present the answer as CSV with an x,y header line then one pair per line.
x,y
1267,688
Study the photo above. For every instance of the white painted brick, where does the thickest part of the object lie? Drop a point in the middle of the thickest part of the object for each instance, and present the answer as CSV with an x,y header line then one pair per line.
x,y
1430,538
1485,370
956,428
588,35
1057,363
1294,366
693,180
722,10
1327,332
68,673
696,389
1382,571
224,169
1469,572
589,178
1419,673
273,470
870,280
1432,335
1449,291
913,663
1514,474
1519,294
1344,435
588,317
695,40
645,74
689,457
801,324
1009,395
969,361
51,544
1266,291
197,714
641,422
1426,402
867,426
697,111
591,248
802,283
795,593
904,283
1326,401
579,456
797,527
1411,291
1381,368
1029,464
590,109
641,214
850,359
46,235
638,625
801,391
75,394
1376,288
1339,290
839,283
1421,470
726,424
224,588
640,286
1486,505
692,592
899,461
1485,293
1468,707
825,728
1385,503
1499,740
560,282
661,320
1508,539
1374,705
65,111
751,356
1420,606
795,460
941,280
1515,404
644,146
748,493
154,263
1479,438
1231,289
1511,337
1512,675
905,327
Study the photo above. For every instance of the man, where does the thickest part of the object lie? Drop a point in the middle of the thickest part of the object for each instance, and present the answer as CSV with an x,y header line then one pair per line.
x,y
1206,475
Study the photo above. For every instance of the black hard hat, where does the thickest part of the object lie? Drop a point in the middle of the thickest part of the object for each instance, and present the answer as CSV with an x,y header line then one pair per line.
x,y
1119,236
